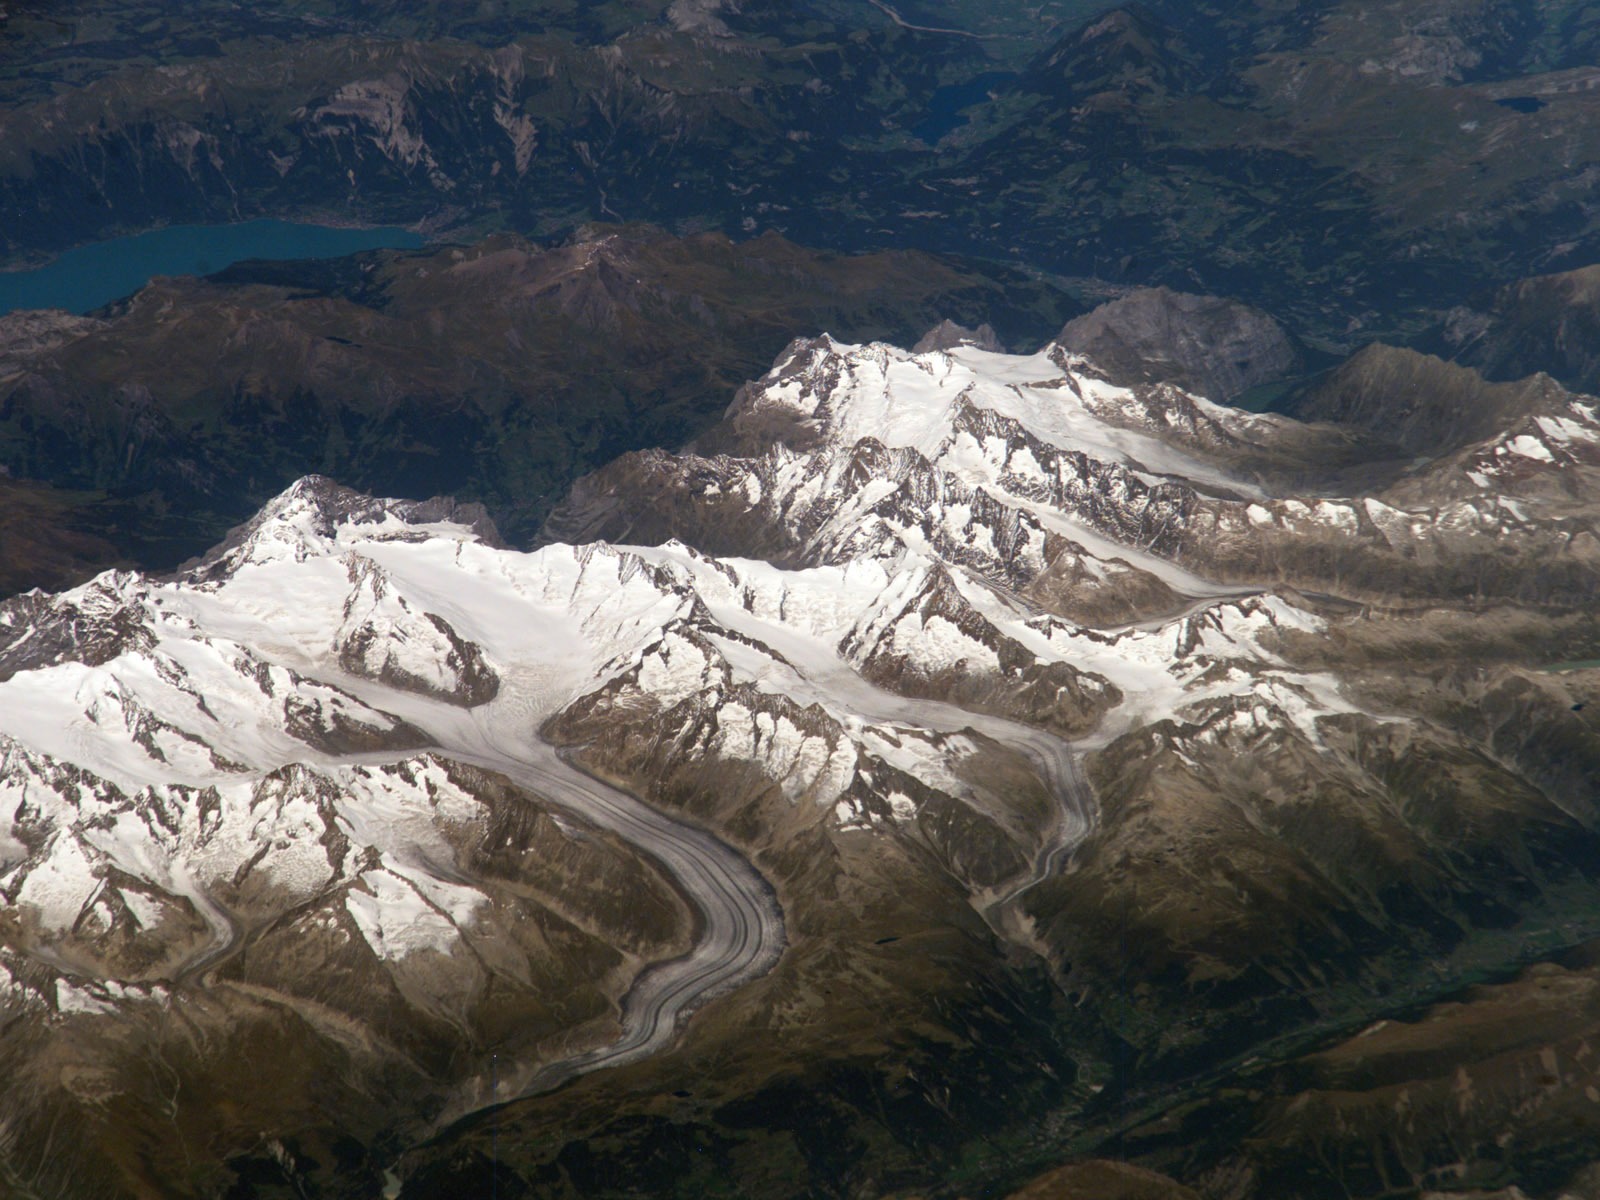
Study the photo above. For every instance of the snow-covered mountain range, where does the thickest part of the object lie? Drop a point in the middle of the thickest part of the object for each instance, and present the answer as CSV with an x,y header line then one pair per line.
x,y
992,627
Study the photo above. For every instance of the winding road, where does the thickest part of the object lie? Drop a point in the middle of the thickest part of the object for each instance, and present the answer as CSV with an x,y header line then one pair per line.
x,y
905,24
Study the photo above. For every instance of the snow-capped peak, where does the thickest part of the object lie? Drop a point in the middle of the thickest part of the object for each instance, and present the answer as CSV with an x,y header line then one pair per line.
x,y
846,393
314,515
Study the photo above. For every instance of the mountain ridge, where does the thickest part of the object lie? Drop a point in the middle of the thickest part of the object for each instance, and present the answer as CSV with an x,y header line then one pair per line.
x,y
898,729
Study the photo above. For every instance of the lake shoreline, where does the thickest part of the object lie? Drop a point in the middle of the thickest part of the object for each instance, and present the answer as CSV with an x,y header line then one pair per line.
x,y
90,276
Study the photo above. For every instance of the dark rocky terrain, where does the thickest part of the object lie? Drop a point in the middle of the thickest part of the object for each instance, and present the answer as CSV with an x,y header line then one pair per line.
x,y
1296,159
1256,884
1203,344
1544,324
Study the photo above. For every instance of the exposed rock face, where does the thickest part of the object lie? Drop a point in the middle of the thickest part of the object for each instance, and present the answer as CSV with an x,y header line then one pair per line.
x,y
1261,855
1088,590
842,451
217,749
384,639
1549,323
1421,403
947,335
496,371
204,819
29,332
1214,347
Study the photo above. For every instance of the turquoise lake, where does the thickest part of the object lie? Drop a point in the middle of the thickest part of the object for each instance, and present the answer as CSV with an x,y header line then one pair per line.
x,y
83,279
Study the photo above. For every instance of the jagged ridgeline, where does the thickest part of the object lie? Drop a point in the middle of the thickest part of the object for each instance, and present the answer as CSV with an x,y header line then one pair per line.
x,y
495,372
952,763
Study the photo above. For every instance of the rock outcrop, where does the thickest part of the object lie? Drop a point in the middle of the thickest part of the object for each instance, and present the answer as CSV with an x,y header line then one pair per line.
x,y
1208,345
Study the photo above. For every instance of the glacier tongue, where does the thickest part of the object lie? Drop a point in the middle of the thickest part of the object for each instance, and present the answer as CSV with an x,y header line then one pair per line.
x,y
878,630
877,633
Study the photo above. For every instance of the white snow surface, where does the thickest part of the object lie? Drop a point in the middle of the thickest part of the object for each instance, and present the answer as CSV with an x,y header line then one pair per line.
x,y
904,399
184,757
396,918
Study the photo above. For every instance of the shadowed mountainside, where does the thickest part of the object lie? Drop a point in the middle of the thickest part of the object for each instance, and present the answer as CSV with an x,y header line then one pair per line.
x,y
496,372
